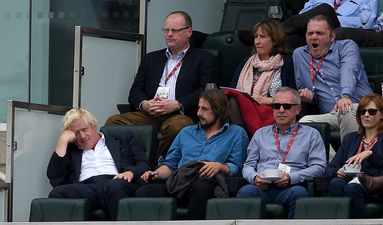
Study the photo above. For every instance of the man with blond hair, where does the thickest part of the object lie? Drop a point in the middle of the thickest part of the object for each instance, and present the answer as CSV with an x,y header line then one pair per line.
x,y
88,164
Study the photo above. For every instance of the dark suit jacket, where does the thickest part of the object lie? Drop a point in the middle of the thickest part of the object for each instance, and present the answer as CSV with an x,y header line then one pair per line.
x,y
198,68
127,154
372,166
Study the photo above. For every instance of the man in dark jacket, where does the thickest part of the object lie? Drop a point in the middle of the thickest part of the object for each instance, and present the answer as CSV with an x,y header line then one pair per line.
x,y
87,164
168,83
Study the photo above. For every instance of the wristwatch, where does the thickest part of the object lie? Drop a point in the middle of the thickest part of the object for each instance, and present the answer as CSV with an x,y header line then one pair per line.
x,y
346,96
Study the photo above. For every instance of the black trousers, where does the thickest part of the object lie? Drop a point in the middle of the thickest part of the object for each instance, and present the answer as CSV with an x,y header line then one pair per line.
x,y
101,192
196,198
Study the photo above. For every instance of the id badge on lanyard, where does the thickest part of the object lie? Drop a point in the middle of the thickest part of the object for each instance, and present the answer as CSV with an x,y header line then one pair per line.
x,y
163,92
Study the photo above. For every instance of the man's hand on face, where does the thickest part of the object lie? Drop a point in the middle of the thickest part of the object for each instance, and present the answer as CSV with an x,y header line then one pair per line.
x,y
68,136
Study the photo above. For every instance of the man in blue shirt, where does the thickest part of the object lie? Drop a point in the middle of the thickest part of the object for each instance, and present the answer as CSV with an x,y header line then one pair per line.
x,y
219,145
330,74
297,151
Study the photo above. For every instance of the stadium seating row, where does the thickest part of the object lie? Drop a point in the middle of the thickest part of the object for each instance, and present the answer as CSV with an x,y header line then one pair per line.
x,y
156,209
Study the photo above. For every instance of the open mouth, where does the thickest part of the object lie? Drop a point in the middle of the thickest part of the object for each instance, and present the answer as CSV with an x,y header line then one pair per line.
x,y
315,45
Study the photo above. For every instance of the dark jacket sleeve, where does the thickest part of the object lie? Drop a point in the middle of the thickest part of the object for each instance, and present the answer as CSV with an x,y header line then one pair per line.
x,y
347,149
237,72
199,68
287,72
61,169
373,165
133,157
147,78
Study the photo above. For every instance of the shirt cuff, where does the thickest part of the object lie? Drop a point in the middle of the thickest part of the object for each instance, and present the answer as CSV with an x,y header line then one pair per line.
x,y
140,106
182,109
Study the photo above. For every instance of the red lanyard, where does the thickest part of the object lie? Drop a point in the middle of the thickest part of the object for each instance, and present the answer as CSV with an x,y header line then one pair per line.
x,y
173,71
369,145
312,71
336,5
290,142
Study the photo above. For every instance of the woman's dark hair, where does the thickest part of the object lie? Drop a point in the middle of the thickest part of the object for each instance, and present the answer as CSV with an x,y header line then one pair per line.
x,y
377,99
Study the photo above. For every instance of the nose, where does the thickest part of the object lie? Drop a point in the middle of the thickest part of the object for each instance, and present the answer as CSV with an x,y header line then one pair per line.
x,y
199,112
81,134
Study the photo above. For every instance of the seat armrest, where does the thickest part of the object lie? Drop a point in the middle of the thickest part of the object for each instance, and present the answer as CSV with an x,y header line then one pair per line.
x,y
234,184
124,108
321,184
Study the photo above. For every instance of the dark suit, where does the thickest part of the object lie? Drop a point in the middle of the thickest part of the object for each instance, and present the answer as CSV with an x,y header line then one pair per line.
x,y
101,191
198,68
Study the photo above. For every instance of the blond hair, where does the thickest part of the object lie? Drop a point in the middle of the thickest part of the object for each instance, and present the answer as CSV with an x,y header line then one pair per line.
x,y
78,113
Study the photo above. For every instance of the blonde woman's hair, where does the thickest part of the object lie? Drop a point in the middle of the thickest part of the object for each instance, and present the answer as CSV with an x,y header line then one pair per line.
x,y
78,113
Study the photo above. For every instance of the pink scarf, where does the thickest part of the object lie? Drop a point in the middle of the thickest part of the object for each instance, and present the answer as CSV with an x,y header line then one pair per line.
x,y
267,69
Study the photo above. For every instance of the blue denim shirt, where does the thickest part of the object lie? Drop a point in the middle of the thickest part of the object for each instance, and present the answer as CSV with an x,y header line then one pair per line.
x,y
342,72
307,155
228,146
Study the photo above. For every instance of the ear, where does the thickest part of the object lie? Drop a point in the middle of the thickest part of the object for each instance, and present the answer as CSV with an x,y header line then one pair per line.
x,y
298,110
332,36
189,32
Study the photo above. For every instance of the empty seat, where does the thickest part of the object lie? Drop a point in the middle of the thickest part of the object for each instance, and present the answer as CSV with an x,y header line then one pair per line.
x,y
57,209
146,135
374,210
233,52
243,14
323,208
235,208
147,209
325,132
276,211
372,58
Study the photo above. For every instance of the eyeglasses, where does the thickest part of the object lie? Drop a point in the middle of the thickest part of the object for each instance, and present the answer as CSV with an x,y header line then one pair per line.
x,y
174,31
371,112
286,106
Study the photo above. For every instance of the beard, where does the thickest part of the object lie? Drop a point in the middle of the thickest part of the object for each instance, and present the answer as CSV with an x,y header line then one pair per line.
x,y
207,124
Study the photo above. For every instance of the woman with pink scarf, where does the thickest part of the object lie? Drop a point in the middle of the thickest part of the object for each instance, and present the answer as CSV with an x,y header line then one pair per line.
x,y
269,68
